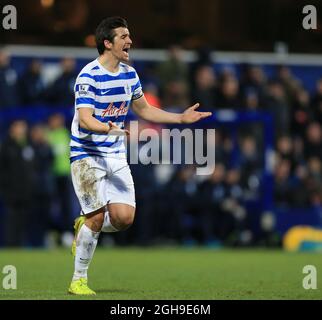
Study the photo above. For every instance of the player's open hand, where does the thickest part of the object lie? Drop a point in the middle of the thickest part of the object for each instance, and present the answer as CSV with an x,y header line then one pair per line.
x,y
191,115
116,130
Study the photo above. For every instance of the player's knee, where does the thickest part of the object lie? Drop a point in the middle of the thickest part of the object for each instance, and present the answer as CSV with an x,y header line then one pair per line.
x,y
123,219
127,221
95,222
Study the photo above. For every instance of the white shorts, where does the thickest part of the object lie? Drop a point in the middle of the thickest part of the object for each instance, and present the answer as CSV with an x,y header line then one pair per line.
x,y
98,181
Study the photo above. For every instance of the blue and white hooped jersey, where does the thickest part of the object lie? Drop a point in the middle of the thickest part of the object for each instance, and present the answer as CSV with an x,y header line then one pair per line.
x,y
109,95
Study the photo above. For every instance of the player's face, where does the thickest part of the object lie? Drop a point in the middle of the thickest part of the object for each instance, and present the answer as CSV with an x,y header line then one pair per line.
x,y
122,44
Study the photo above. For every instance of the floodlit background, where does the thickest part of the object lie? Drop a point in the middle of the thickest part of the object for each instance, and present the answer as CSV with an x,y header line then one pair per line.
x,y
250,62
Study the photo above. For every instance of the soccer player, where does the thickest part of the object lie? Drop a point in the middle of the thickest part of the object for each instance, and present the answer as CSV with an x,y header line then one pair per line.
x,y
104,90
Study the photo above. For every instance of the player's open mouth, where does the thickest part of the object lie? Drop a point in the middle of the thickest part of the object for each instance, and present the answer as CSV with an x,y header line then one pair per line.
x,y
126,52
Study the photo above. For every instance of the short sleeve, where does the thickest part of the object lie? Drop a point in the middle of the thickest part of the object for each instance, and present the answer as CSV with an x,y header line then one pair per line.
x,y
85,91
137,90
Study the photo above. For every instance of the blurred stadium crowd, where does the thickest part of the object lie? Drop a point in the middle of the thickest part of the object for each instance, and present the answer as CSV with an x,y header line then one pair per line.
x,y
173,204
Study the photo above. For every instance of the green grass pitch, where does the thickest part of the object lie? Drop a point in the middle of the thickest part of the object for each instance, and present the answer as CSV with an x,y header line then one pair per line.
x,y
165,273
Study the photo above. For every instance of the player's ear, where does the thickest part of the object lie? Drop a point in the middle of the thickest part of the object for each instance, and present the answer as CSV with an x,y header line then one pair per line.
x,y
107,44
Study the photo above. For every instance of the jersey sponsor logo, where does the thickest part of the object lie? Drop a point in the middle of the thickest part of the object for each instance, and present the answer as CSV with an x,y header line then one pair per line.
x,y
112,111
105,92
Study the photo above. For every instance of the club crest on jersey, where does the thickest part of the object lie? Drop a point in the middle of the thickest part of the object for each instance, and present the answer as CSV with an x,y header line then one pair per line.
x,y
127,89
112,111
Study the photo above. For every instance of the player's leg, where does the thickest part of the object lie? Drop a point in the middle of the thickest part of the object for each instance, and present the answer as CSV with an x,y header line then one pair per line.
x,y
108,226
116,216
88,177
120,216
78,223
120,210
86,243
94,220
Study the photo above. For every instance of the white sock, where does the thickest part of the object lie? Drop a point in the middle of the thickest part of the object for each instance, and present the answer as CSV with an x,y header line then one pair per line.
x,y
107,225
85,246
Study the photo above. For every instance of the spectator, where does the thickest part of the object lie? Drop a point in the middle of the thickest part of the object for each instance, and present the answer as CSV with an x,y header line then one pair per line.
x,y
181,197
61,92
284,147
152,96
204,59
301,192
228,97
249,161
316,102
253,80
43,186
205,89
315,170
298,150
284,184
222,147
16,182
146,197
233,206
9,94
59,138
313,141
216,222
290,84
251,104
251,100
32,85
276,104
316,198
174,78
301,113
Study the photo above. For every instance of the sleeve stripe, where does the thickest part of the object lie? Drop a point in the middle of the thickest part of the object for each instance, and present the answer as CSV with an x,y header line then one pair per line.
x,y
85,101
138,96
89,95
84,105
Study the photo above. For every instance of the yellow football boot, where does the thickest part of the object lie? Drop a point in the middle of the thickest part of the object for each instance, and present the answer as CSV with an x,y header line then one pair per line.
x,y
79,287
77,225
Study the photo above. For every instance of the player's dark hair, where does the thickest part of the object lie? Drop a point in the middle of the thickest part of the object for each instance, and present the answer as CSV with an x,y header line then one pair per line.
x,y
105,31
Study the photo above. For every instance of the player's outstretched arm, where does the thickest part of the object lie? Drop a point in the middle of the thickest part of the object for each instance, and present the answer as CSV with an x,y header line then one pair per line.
x,y
147,112
87,121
